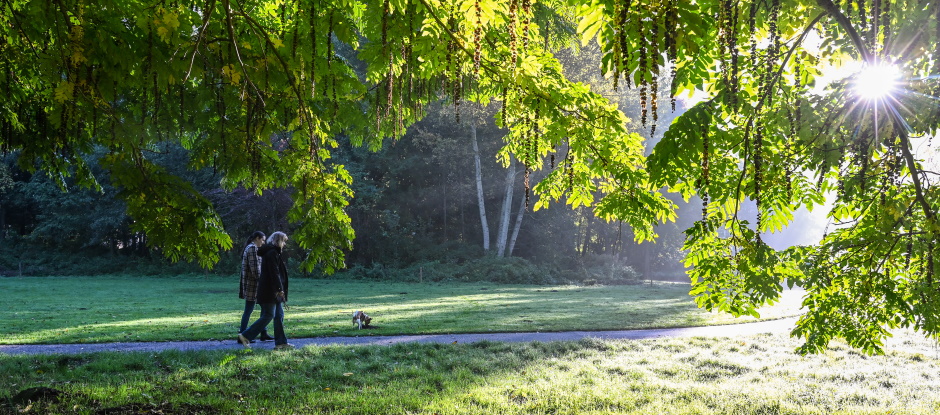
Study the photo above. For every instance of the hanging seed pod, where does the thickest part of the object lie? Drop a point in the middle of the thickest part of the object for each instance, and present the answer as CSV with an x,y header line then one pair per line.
x,y
673,85
798,88
477,39
623,56
875,25
654,106
157,102
617,65
570,173
616,56
758,172
733,47
641,71
455,75
643,104
752,28
390,78
909,248
791,121
671,27
313,46
513,18
385,10
390,86
148,64
248,115
412,63
448,78
329,62
457,89
378,110
505,104
535,135
773,52
864,171
724,37
775,27
7,77
525,24
788,155
930,260
552,158
527,188
653,70
705,173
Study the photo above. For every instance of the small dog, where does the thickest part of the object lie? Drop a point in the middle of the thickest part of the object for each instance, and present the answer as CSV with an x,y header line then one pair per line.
x,y
361,319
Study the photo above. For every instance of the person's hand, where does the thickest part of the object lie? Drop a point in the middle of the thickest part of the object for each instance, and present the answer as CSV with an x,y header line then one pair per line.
x,y
279,296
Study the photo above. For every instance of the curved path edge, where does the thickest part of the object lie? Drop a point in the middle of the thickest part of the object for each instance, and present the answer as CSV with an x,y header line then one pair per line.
x,y
729,330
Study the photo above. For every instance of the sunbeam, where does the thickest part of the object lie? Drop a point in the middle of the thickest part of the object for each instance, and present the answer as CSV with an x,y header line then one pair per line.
x,y
877,81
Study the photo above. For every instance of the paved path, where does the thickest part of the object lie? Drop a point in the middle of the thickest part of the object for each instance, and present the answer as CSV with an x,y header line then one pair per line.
x,y
731,330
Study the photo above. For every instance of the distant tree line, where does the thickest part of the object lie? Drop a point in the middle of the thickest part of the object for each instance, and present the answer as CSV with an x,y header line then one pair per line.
x,y
442,202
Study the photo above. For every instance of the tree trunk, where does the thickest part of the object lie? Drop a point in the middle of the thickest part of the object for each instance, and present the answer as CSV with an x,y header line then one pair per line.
x,y
479,180
505,214
445,208
518,224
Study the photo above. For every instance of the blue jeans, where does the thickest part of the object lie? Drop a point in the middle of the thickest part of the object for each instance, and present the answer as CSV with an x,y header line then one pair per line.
x,y
249,308
269,311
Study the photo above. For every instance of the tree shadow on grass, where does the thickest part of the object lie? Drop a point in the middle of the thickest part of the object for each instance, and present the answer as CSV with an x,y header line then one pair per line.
x,y
402,378
755,374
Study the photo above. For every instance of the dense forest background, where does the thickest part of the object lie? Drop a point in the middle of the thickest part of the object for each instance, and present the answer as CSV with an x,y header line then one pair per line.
x,y
416,211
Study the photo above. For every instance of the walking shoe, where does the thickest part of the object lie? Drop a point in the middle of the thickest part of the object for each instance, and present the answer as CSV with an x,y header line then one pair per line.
x,y
285,346
265,338
244,341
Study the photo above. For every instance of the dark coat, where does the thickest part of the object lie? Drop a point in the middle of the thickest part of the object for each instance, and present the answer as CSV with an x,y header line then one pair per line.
x,y
273,274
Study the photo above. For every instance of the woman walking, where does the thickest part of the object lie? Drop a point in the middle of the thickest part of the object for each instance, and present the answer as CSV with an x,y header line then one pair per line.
x,y
272,293
251,276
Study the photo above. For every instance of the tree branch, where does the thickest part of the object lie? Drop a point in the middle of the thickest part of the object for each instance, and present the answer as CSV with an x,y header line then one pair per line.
x,y
846,25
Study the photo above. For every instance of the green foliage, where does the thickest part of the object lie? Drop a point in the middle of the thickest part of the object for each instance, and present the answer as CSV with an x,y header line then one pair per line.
x,y
263,91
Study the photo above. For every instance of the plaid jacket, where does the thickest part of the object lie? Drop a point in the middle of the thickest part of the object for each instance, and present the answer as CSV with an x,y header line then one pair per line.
x,y
251,273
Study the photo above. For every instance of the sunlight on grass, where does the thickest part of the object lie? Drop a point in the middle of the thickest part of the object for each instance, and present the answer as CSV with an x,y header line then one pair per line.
x,y
107,309
748,375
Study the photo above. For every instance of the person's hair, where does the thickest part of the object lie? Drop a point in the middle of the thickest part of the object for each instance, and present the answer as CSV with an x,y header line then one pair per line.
x,y
277,237
256,235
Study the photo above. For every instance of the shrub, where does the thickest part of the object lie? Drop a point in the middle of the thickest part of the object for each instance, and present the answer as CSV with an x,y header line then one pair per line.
x,y
605,270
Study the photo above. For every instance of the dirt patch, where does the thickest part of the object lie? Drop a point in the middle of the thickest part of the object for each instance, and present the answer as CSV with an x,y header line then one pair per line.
x,y
39,394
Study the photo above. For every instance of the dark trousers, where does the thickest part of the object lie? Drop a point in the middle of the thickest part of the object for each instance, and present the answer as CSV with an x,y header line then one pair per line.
x,y
246,316
269,312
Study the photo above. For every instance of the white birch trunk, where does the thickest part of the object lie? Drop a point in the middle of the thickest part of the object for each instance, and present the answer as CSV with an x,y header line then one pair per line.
x,y
505,214
516,226
479,180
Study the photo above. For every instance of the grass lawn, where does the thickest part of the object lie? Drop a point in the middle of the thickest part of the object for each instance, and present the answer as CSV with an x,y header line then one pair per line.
x,y
749,375
136,308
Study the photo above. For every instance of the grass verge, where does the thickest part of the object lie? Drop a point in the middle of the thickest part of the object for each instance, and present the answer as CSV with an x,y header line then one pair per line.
x,y
137,308
748,375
